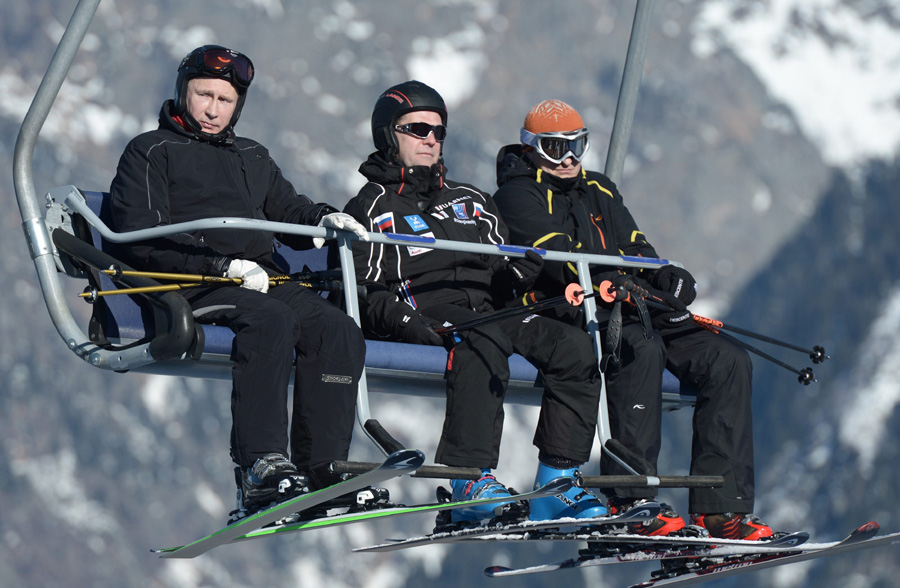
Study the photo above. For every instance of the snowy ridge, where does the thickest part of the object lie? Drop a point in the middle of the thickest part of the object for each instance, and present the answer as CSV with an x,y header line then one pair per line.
x,y
863,424
833,63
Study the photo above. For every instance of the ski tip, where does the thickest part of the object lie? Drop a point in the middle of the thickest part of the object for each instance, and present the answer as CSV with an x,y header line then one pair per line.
x,y
406,459
494,570
870,528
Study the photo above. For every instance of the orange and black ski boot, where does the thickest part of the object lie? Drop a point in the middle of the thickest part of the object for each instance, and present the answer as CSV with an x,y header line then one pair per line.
x,y
666,522
731,525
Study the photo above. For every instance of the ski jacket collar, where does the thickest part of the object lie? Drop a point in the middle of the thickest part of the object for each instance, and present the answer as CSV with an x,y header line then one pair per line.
x,y
417,181
168,121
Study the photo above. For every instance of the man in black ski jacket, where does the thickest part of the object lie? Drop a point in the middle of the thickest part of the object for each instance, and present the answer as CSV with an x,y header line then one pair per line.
x,y
413,289
194,167
548,200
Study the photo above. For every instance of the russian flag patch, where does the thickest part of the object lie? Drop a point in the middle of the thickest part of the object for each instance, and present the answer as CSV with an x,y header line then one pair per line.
x,y
385,221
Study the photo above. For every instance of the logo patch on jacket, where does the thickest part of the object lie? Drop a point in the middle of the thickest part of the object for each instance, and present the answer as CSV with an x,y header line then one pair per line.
x,y
385,221
413,251
416,223
460,211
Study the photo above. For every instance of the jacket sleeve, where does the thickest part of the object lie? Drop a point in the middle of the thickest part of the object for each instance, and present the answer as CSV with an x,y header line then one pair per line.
x,y
284,204
139,199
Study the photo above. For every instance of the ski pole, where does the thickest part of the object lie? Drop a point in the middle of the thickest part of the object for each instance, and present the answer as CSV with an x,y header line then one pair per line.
x,y
567,298
816,354
500,315
609,293
804,376
92,294
319,280
115,272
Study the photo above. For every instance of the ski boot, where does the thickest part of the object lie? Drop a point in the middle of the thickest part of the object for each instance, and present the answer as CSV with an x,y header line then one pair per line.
x,y
731,525
573,503
665,523
368,498
486,486
271,479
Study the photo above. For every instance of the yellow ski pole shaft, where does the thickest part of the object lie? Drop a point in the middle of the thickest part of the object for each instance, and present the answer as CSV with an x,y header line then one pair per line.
x,y
169,276
273,280
92,295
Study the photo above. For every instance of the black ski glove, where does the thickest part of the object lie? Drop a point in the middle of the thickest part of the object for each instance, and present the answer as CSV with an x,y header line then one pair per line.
x,y
678,316
419,330
676,281
512,278
525,270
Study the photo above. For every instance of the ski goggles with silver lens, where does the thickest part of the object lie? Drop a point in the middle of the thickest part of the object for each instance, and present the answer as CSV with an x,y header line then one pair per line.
x,y
556,147
219,62
422,130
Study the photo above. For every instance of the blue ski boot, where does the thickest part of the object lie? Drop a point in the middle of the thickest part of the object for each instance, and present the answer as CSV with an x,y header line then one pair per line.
x,y
486,486
573,503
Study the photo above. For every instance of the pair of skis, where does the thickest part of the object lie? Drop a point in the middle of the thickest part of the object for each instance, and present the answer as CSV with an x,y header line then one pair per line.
x,y
280,519
686,560
528,529
398,463
686,574
694,560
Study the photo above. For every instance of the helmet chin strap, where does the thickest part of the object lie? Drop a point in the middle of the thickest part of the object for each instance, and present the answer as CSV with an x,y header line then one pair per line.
x,y
222,136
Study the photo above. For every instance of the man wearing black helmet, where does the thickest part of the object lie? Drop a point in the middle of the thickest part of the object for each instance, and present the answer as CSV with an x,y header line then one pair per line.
x,y
412,290
193,167
549,200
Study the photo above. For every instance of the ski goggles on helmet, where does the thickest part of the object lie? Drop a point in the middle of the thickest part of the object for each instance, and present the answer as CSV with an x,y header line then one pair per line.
x,y
422,130
220,62
556,147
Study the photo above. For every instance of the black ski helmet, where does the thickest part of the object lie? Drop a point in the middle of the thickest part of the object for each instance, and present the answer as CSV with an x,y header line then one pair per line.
x,y
395,102
213,61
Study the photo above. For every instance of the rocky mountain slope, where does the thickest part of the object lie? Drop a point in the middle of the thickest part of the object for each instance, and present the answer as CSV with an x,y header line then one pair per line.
x,y
733,169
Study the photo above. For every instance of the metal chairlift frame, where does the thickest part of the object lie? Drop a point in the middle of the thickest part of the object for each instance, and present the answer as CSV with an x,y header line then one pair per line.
x,y
139,357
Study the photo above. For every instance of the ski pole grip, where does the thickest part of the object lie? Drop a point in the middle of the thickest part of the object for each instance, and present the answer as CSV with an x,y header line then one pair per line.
x,y
707,322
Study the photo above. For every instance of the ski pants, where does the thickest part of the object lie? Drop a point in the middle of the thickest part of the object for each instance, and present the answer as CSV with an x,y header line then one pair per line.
x,y
478,374
722,443
268,330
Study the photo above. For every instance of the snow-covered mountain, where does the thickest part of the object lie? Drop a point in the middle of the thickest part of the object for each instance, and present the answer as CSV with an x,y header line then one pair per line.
x,y
764,157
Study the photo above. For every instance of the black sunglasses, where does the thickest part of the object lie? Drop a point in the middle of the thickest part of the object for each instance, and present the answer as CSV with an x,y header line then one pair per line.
x,y
422,130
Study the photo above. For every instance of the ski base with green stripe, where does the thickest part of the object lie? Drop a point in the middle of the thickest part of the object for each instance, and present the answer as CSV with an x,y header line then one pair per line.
x,y
553,487
405,461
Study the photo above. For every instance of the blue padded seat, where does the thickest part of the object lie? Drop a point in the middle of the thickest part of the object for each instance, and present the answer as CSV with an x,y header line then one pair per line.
x,y
390,367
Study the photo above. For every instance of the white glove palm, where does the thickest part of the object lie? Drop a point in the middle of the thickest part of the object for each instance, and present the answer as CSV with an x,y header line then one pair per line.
x,y
253,277
341,220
